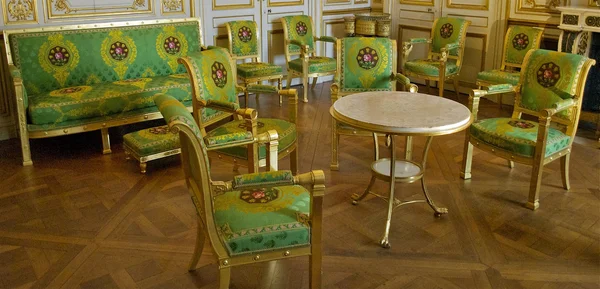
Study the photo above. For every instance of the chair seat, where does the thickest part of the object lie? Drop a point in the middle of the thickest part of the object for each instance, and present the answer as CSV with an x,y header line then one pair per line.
x,y
151,141
316,64
497,76
517,136
285,130
258,69
266,219
429,67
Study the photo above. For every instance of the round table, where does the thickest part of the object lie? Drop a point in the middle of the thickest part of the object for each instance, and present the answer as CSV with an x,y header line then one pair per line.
x,y
405,114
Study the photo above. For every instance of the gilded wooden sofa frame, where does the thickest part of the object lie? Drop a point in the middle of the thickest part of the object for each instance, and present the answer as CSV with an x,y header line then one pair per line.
x,y
25,135
545,118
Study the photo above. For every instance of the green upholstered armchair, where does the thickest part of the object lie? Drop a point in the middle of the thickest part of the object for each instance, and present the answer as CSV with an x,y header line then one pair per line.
x,y
214,89
244,43
253,218
517,42
363,64
551,89
300,40
446,52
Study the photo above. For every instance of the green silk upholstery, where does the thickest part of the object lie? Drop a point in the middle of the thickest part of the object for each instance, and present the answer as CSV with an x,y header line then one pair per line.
x,y
520,40
447,30
517,136
286,132
258,69
57,59
316,64
271,178
215,74
429,67
151,141
256,220
499,76
366,64
104,99
299,28
244,40
549,77
236,137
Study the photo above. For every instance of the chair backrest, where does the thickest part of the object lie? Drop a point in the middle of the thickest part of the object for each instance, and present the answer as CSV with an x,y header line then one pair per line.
x,y
244,39
194,160
213,77
299,27
517,42
448,30
548,77
366,63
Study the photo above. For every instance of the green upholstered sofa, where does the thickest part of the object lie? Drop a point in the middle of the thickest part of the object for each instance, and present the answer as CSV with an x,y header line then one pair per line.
x,y
78,78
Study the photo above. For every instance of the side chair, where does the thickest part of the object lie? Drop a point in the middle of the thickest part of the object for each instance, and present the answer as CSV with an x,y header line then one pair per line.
x,y
550,89
214,91
445,56
253,218
363,64
244,43
300,40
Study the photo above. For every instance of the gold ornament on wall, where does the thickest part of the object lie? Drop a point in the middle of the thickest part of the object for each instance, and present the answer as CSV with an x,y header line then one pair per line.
x,y
63,8
172,5
19,11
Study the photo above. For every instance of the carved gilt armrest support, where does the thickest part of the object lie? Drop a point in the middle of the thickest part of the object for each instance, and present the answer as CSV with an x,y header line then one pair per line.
x,y
476,94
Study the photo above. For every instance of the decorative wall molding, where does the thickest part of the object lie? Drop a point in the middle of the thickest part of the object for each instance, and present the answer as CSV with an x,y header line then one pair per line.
x,y
19,12
89,8
172,7
539,6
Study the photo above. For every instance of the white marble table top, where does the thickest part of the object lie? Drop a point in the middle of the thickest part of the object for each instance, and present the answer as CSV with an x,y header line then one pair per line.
x,y
401,113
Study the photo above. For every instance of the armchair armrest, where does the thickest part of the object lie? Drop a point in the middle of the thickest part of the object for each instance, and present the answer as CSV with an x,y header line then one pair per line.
x,y
330,39
419,40
260,88
561,105
405,81
407,47
303,47
231,139
263,179
476,94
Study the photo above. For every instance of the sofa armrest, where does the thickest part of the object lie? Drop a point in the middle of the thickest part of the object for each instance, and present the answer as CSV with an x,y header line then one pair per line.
x,y
15,72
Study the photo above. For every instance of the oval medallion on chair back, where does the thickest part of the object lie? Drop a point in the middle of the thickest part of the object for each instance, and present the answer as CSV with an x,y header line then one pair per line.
x,y
519,40
366,64
300,28
548,77
214,78
69,58
447,30
244,40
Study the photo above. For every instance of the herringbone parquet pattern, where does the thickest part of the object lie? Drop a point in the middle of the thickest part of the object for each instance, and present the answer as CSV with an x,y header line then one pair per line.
x,y
79,219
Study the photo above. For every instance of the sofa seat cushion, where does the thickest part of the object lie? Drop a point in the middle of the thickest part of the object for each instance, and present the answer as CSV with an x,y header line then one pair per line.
x,y
263,219
285,130
103,99
316,64
498,76
517,136
151,141
429,67
258,69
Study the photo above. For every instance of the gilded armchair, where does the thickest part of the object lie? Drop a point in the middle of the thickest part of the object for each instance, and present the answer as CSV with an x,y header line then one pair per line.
x,y
517,42
300,40
363,64
214,90
244,43
445,56
254,218
550,89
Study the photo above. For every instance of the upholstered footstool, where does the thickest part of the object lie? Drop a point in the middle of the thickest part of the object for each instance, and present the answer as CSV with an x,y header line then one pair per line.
x,y
151,144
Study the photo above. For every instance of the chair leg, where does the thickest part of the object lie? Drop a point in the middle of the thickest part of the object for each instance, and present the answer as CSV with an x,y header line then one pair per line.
x,y
315,273
465,170
279,87
427,84
305,86
143,167
294,161
441,87
335,146
224,277
200,238
511,164
456,88
534,187
105,141
314,83
564,164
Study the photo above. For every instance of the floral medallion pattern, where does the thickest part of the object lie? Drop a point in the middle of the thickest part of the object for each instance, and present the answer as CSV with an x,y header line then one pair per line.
x,y
521,124
260,196
367,58
548,74
301,28
520,41
446,30
119,51
172,45
219,74
245,34
59,56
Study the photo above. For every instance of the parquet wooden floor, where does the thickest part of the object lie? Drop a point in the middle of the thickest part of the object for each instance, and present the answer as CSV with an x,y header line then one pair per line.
x,y
80,219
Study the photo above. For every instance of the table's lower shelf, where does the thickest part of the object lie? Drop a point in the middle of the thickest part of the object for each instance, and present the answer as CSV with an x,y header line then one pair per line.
x,y
406,171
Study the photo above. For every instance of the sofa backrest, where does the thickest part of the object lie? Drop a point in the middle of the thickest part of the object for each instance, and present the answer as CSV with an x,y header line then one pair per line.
x,y
51,58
